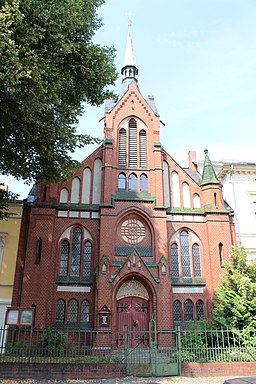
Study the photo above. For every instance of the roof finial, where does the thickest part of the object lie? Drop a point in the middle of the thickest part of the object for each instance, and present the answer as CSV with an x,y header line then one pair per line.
x,y
129,52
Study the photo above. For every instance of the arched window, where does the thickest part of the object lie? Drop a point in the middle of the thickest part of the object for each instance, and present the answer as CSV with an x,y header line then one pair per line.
x,y
175,262
76,252
60,311
132,182
177,316
72,311
196,201
175,189
143,148
87,260
122,148
86,188
133,149
221,254
38,251
166,184
64,258
196,260
185,195
185,255
75,191
143,182
188,311
199,310
97,178
85,310
64,196
121,182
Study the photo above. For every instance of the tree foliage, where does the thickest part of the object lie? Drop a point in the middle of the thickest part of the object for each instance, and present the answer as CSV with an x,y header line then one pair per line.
x,y
49,67
235,297
6,198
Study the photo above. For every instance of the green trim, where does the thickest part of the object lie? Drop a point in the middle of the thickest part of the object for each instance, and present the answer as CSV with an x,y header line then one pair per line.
x,y
108,141
157,144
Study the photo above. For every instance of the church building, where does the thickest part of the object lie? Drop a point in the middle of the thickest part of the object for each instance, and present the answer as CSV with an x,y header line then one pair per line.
x,y
132,236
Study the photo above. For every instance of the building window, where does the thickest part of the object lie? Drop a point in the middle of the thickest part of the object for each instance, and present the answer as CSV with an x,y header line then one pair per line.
x,y
132,146
132,182
76,257
221,254
175,262
143,182
177,315
185,255
132,231
188,311
60,311
38,251
64,196
85,310
72,311
196,260
199,310
87,260
75,191
121,182
143,148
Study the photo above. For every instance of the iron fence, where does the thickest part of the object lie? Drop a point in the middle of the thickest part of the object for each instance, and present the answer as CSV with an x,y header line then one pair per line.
x,y
103,346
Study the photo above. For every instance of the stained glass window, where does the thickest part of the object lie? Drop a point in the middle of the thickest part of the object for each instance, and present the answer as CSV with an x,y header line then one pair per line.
x,y
72,311
185,256
177,317
199,310
85,310
175,261
76,253
60,311
87,260
188,311
196,260
64,258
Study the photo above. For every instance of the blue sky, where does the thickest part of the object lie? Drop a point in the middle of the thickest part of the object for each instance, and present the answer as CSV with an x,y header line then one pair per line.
x,y
198,59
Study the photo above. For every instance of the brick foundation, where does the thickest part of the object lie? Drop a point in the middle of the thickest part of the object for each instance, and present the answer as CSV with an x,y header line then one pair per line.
x,y
219,369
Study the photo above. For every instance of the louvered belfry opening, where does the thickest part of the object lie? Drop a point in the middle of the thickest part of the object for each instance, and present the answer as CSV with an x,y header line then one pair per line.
x,y
143,149
133,147
122,148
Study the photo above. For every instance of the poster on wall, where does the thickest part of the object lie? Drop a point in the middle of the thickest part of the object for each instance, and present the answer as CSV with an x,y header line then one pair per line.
x,y
19,316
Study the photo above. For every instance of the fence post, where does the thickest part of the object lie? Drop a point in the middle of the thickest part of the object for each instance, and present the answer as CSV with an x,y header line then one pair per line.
x,y
179,349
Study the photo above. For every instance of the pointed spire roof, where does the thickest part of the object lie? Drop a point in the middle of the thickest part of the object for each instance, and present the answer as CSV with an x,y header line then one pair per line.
x,y
129,69
209,175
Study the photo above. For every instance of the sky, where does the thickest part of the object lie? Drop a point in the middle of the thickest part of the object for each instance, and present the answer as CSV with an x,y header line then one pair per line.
x,y
198,59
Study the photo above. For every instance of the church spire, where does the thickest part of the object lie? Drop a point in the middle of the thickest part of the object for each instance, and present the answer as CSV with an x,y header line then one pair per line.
x,y
129,69
209,175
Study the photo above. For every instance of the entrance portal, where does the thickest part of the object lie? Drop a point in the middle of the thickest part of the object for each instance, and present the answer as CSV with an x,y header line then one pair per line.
x,y
133,320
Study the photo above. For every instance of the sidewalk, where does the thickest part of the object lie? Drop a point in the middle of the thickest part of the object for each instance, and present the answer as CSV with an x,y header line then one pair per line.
x,y
127,380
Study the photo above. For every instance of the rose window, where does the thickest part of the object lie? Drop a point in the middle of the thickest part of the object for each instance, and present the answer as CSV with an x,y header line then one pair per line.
x,y
132,231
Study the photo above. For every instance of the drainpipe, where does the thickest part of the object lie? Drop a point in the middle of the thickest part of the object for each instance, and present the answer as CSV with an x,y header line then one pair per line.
x,y
235,204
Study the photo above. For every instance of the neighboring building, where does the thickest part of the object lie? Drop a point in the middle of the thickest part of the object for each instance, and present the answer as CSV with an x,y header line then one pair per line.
x,y
239,190
9,239
131,236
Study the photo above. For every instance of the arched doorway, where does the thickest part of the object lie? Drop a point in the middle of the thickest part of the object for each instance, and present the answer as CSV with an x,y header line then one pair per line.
x,y
133,314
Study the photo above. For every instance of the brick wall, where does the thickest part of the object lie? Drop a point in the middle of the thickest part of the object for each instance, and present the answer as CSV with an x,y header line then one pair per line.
x,y
219,369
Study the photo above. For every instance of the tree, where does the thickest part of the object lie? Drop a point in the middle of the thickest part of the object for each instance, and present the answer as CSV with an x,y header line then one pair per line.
x,y
235,297
6,198
49,67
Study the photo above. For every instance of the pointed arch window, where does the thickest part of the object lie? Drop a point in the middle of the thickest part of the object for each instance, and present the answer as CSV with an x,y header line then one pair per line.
x,y
196,260
122,148
143,182
60,311
177,315
143,148
133,148
72,311
132,182
121,182
188,311
199,310
85,310
64,196
185,255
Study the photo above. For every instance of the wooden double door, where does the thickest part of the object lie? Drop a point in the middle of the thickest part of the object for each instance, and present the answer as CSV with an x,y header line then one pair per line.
x,y
133,322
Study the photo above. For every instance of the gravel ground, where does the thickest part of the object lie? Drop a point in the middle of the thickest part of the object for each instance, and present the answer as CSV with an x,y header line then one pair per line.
x,y
127,380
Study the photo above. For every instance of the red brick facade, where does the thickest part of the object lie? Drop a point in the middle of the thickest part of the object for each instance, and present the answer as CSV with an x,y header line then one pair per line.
x,y
131,223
